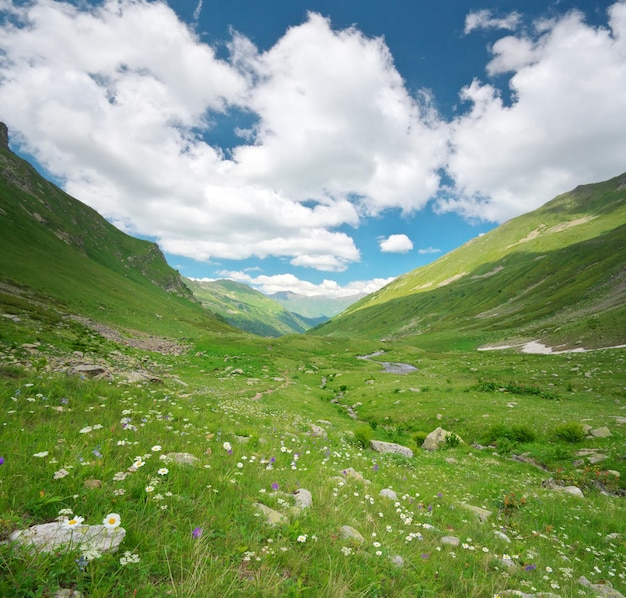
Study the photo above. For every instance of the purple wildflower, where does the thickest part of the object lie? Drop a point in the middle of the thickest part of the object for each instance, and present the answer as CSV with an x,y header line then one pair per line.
x,y
196,533
375,467
531,567
1,460
275,486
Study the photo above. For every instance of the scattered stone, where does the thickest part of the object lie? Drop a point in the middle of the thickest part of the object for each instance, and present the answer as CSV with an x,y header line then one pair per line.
x,y
141,377
451,460
585,452
242,439
602,432
324,422
97,372
303,499
271,516
13,317
235,372
182,458
613,472
318,431
483,514
391,447
502,536
93,484
436,438
68,593
603,589
597,458
397,560
615,536
49,537
551,484
388,493
353,474
450,541
349,533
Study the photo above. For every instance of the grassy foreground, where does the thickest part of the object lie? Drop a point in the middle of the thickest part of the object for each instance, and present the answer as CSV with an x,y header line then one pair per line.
x,y
244,408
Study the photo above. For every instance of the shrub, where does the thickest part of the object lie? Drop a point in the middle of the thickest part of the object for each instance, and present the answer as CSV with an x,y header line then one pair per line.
x,y
419,437
363,436
513,433
570,432
452,441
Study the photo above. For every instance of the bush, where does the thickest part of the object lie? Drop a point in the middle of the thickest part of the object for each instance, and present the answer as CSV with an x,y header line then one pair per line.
x,y
570,432
452,441
419,437
363,436
519,434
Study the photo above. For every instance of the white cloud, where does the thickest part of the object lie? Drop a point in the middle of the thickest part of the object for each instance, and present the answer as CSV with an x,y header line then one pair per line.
x,y
564,126
120,116
483,19
396,244
288,282
428,250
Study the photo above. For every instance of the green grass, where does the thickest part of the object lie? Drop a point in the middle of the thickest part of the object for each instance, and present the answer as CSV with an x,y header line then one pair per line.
x,y
96,430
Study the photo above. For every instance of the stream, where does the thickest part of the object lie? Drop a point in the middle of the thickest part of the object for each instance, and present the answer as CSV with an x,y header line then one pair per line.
x,y
391,367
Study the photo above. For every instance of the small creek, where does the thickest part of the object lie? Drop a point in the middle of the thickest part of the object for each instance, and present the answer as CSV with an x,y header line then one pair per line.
x,y
390,367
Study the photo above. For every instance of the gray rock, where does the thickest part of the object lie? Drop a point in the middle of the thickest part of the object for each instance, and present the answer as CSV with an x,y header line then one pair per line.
x,y
450,541
603,589
303,499
388,493
48,537
597,458
397,560
602,432
4,137
502,536
318,431
349,533
483,514
97,372
436,438
68,593
353,474
391,447
271,516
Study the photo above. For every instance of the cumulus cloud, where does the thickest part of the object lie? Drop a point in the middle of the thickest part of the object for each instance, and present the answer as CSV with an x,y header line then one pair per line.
x,y
122,119
483,19
564,125
396,244
288,282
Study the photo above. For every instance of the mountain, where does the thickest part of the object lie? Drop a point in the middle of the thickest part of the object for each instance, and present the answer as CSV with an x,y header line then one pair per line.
x,y
557,274
314,307
248,309
56,251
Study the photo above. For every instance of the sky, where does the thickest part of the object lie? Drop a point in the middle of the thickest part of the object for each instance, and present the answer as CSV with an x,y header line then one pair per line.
x,y
322,147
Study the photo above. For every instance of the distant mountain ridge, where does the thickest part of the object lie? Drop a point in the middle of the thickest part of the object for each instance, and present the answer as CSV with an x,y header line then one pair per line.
x,y
316,306
557,274
248,309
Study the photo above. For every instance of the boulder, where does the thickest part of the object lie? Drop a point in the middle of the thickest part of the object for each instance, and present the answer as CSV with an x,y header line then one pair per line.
x,y
390,447
49,537
450,541
602,432
388,493
318,431
602,589
483,514
271,516
436,438
349,533
86,370
303,499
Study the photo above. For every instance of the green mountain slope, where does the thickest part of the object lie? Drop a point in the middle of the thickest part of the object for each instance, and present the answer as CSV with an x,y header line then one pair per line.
x,y
58,252
247,309
557,274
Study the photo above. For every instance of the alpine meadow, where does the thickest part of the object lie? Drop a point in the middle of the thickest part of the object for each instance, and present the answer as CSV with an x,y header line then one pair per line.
x,y
460,432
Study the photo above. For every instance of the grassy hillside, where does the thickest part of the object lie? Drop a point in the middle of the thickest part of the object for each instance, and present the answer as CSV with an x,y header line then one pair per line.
x,y
58,252
555,274
314,307
248,309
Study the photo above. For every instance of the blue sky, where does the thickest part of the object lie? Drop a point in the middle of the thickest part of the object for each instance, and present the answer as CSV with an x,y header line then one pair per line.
x,y
322,147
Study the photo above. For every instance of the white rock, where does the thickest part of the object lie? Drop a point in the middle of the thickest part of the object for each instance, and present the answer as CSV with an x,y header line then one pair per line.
x,y
388,493
391,447
349,533
303,499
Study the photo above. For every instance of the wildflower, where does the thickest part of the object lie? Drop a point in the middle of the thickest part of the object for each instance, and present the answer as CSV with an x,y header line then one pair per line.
x,y
66,512
302,538
275,486
74,523
347,551
90,554
129,557
1,460
111,521
60,474
163,471
119,492
240,465
149,488
156,448
41,454
196,533
227,447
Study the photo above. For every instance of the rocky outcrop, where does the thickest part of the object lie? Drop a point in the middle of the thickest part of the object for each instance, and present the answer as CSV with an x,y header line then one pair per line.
x,y
391,447
4,137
